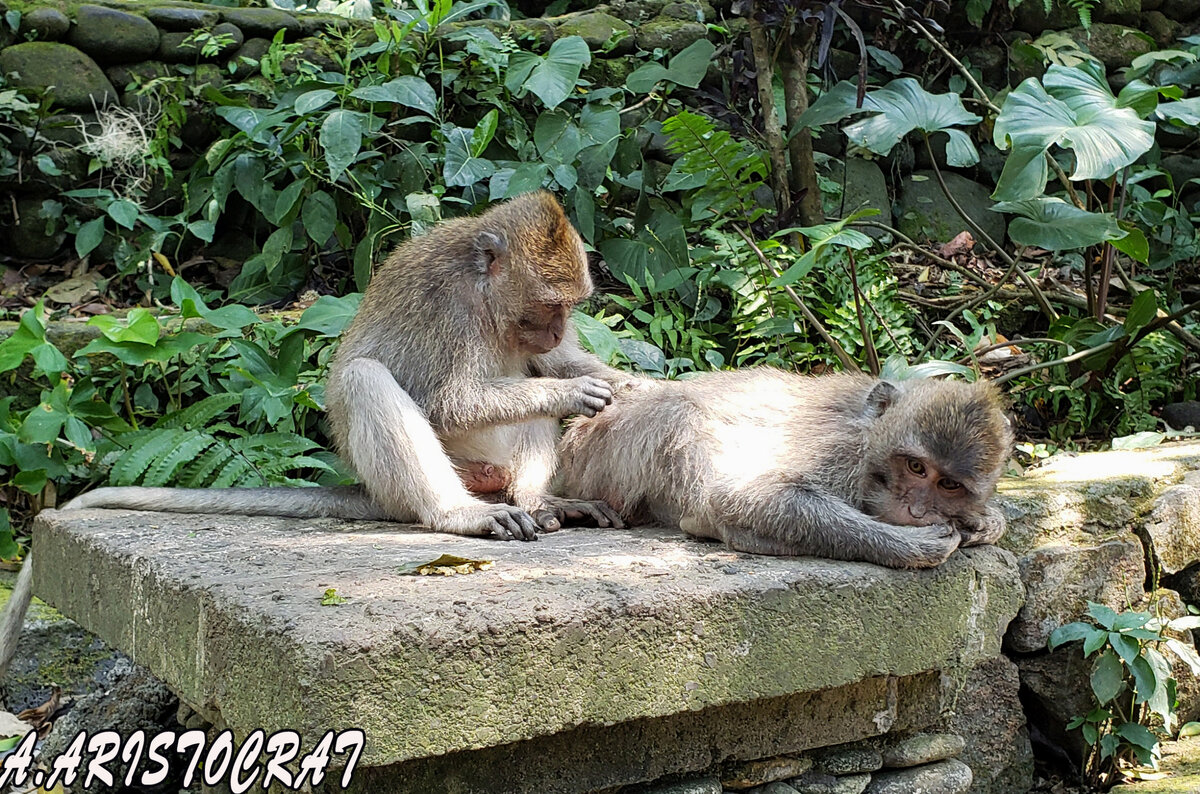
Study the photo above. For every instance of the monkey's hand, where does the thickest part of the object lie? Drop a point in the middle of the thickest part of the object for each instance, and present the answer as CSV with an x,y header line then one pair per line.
x,y
928,546
983,529
551,512
504,521
584,395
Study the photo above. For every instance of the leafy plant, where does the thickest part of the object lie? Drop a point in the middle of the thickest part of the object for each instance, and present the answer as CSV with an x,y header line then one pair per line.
x,y
1132,682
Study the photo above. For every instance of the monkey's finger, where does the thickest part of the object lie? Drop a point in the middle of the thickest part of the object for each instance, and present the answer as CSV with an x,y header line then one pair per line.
x,y
547,520
613,516
499,530
527,524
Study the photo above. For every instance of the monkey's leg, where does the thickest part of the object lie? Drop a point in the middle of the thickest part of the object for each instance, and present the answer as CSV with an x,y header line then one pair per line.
x,y
535,461
400,460
983,529
788,518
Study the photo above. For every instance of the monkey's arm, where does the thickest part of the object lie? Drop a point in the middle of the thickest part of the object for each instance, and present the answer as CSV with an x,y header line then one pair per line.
x,y
788,518
510,400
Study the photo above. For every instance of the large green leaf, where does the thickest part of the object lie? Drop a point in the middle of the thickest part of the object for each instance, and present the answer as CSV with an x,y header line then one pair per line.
x,y
899,108
409,91
460,168
1056,225
1072,108
341,138
686,69
551,77
1108,677
319,215
903,106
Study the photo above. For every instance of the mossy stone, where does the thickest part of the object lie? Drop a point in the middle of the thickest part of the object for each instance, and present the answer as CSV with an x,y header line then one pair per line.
x,y
264,22
669,34
1115,45
598,29
112,36
27,237
315,24
78,83
175,48
690,11
924,213
46,23
538,33
128,74
245,60
177,18
311,51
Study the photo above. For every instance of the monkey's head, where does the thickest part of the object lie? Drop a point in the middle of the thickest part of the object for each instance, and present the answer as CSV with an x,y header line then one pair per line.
x,y
934,451
534,265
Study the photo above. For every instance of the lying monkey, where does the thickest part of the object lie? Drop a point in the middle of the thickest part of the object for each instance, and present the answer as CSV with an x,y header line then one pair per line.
x,y
844,466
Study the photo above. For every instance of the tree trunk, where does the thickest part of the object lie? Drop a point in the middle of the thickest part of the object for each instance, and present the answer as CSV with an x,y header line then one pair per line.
x,y
803,171
773,135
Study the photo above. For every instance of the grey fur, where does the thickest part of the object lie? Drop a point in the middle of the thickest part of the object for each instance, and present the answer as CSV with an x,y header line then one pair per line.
x,y
776,463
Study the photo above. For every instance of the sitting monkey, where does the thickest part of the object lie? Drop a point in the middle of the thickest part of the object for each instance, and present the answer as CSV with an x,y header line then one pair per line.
x,y
843,466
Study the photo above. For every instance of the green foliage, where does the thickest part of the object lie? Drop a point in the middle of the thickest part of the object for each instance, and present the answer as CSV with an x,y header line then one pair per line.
x,y
899,108
127,409
1132,683
721,173
1073,108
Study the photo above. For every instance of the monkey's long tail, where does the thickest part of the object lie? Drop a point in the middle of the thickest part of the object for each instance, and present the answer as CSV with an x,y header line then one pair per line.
x,y
340,502
14,615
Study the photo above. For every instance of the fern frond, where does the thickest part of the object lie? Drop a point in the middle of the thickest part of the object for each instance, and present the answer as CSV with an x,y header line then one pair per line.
x,y
233,473
162,470
145,449
724,172
200,414
199,474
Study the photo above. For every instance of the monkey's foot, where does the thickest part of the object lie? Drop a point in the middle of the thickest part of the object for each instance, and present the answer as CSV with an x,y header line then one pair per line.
x,y
551,512
986,529
504,521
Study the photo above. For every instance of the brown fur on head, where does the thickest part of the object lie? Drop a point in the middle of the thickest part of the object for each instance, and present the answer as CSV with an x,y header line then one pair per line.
x,y
935,451
534,260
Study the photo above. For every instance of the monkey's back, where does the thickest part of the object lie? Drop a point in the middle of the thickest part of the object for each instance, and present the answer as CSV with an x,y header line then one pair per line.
x,y
660,449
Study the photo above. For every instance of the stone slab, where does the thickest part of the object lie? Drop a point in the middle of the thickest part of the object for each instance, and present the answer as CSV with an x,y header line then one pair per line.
x,y
584,628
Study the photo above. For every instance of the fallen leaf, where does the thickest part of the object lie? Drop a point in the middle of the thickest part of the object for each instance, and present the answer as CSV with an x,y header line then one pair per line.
x,y
12,725
42,717
73,290
446,565
961,244
331,598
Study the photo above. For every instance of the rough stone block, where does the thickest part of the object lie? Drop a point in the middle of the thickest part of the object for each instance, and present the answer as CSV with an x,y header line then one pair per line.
x,y
585,628
922,748
989,715
944,777
1081,525
1173,528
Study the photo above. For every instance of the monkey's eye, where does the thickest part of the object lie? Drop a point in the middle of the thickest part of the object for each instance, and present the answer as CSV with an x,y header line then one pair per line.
x,y
916,467
947,484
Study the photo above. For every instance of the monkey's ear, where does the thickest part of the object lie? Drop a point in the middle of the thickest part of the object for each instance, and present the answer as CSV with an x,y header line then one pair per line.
x,y
490,252
882,395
